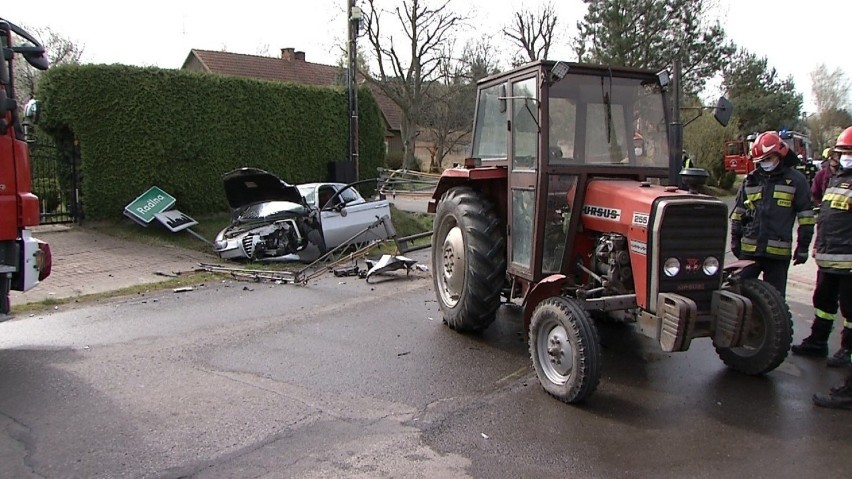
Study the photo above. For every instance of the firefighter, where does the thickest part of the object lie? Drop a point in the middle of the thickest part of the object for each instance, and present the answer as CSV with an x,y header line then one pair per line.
x,y
834,259
821,179
770,199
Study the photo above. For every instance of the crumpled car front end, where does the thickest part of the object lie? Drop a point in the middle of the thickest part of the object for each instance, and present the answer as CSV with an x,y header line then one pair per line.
x,y
270,218
262,240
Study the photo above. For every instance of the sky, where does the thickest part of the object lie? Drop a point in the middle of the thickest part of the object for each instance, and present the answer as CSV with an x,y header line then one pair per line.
x,y
794,36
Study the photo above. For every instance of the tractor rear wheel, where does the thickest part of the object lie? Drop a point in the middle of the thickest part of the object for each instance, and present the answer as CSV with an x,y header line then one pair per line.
x,y
767,334
468,259
565,349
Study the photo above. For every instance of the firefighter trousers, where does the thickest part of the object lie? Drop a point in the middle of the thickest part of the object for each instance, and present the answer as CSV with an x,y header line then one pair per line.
x,y
834,289
774,272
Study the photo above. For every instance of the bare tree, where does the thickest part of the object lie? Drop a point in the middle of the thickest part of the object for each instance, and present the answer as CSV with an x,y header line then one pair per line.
x,y
831,94
830,89
60,51
533,32
405,76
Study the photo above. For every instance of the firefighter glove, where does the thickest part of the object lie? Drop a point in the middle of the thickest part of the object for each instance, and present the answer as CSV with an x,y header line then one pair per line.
x,y
801,256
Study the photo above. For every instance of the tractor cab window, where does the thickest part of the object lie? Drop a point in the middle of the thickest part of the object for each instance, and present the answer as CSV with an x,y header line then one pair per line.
x,y
563,121
525,126
491,136
608,120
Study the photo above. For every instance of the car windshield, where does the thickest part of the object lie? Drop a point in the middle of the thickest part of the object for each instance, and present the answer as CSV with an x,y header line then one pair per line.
x,y
269,211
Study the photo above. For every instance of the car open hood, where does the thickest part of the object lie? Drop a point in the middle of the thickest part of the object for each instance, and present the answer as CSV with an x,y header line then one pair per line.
x,y
247,186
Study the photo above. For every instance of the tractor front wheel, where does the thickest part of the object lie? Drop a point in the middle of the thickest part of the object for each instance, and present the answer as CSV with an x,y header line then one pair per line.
x,y
565,349
468,259
767,334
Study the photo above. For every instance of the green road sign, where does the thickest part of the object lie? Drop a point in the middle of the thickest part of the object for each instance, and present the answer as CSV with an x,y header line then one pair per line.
x,y
148,204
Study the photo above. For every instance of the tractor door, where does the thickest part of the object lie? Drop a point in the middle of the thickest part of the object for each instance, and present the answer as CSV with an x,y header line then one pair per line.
x,y
523,166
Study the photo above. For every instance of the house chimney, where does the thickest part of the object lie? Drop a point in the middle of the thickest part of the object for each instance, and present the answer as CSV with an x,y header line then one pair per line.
x,y
288,54
300,56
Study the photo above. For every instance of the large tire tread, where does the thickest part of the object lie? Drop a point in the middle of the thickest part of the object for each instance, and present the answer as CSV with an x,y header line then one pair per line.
x,y
485,254
778,331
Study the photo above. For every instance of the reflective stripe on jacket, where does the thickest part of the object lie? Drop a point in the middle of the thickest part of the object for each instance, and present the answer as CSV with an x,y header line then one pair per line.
x,y
766,208
834,230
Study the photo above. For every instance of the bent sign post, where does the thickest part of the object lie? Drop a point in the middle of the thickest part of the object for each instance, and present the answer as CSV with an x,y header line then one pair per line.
x,y
147,205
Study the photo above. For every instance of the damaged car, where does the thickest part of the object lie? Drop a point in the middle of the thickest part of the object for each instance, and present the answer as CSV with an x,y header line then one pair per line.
x,y
273,219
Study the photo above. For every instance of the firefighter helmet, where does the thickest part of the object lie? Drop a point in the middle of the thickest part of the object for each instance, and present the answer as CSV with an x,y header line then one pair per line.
x,y
844,141
768,143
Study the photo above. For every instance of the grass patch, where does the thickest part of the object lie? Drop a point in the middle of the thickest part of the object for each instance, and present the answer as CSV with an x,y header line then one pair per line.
x,y
157,235
406,224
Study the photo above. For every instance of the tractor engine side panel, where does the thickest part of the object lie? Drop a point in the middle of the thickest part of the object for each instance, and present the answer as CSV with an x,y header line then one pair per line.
x,y
624,207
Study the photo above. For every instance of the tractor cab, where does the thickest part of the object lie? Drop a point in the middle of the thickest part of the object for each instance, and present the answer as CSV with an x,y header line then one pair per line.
x,y
552,126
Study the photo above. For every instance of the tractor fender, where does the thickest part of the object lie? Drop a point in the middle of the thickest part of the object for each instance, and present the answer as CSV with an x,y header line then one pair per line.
x,y
735,267
489,180
733,270
546,288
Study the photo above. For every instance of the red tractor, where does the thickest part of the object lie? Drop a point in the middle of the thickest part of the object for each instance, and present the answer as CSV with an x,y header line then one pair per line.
x,y
563,207
24,260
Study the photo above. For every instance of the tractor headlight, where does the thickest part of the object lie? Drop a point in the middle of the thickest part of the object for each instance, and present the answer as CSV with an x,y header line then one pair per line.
x,y
711,266
671,267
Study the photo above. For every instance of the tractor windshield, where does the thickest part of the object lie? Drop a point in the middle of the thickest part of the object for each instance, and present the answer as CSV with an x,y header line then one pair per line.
x,y
608,120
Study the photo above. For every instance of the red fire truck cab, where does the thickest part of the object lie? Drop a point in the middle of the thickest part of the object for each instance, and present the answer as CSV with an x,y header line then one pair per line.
x,y
24,260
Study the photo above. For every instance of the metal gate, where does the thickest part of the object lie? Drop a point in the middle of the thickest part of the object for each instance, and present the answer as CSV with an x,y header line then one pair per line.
x,y
56,182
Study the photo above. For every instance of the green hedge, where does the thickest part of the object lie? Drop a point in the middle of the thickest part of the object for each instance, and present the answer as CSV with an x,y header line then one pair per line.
x,y
181,131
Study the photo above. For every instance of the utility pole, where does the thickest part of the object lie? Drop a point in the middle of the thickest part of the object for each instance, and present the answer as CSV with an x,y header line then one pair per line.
x,y
353,15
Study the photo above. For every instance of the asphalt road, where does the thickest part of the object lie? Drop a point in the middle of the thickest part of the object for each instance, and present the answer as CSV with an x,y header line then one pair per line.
x,y
343,378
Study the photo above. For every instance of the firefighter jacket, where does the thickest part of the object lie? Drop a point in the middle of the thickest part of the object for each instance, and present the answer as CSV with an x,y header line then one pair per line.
x,y
834,230
820,183
767,205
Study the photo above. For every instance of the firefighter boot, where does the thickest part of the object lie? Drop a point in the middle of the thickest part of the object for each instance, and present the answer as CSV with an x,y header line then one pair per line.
x,y
839,398
817,343
842,357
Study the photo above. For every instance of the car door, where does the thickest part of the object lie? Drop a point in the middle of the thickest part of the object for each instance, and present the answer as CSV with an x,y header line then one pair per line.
x,y
350,216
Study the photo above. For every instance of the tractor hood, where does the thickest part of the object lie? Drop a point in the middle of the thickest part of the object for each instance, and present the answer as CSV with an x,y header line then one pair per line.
x,y
624,205
247,186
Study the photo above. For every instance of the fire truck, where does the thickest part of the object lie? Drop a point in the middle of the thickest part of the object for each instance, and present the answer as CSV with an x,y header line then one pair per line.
x,y
738,153
24,260
570,206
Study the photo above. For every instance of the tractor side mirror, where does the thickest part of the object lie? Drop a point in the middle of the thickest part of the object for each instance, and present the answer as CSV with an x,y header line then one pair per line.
x,y
37,58
4,69
724,110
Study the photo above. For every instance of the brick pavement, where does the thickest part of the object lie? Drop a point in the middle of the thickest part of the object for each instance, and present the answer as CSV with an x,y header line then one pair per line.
x,y
88,262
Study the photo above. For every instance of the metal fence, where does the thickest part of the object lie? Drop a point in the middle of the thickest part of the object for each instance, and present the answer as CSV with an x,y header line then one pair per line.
x,y
56,182
393,182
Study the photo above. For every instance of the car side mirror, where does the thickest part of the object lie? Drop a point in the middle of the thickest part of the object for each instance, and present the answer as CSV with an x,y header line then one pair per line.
x,y
32,111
